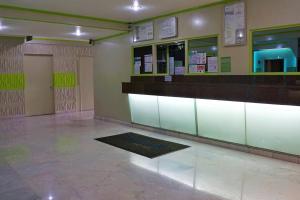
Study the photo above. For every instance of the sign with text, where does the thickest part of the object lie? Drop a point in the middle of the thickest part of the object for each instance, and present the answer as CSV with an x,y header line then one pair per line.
x,y
167,28
143,32
235,24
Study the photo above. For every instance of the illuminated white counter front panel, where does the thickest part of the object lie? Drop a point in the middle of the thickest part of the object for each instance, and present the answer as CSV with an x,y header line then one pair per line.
x,y
273,127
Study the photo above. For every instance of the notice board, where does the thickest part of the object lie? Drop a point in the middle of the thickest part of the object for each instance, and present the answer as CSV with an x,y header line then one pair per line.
x,y
167,28
143,32
235,24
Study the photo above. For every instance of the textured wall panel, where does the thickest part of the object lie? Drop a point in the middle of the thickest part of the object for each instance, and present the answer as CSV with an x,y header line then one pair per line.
x,y
11,77
65,61
65,99
12,103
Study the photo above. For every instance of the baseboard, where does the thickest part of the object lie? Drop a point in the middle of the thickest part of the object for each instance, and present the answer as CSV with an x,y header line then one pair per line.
x,y
108,119
12,117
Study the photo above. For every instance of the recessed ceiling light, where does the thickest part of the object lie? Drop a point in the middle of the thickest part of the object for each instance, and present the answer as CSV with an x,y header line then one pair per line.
x,y
279,46
241,34
214,48
136,6
2,26
78,32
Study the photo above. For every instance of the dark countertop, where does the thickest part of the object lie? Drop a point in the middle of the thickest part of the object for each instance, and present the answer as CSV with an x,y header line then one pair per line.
x,y
283,90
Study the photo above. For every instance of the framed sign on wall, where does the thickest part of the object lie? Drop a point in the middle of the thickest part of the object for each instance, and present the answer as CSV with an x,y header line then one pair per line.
x,y
168,28
143,32
235,24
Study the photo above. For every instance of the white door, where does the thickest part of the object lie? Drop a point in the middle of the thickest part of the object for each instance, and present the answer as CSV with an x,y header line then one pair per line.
x,y
86,83
39,94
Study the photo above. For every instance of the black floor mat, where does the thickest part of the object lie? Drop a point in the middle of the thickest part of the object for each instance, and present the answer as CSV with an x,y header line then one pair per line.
x,y
142,145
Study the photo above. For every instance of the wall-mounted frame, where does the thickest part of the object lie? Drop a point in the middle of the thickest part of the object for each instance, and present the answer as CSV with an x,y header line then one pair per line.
x,y
167,28
235,24
143,32
275,50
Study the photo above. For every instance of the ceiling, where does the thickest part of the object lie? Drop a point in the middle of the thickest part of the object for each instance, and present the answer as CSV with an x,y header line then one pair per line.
x,y
110,9
119,10
41,29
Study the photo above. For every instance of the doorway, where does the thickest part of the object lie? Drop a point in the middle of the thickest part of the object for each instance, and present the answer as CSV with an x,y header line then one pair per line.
x,y
86,83
276,65
39,93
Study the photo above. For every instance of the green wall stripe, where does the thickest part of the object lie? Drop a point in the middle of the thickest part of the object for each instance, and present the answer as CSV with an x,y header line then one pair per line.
x,y
112,36
60,40
12,81
17,8
64,80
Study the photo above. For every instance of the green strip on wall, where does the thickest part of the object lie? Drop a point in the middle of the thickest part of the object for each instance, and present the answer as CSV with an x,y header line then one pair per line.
x,y
65,80
12,81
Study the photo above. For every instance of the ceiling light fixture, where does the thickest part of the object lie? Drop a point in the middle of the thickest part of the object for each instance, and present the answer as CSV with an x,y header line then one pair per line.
x,y
78,31
2,26
214,48
136,6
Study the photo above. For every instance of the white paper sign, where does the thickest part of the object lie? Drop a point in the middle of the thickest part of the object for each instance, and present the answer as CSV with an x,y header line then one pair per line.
x,y
137,65
179,70
148,67
143,32
171,65
212,64
148,58
167,28
193,69
202,59
235,24
198,58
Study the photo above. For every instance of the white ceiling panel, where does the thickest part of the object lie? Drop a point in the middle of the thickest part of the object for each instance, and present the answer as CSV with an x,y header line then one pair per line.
x,y
112,9
41,29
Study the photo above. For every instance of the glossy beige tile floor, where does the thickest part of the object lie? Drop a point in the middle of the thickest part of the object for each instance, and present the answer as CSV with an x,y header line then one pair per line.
x,y
56,157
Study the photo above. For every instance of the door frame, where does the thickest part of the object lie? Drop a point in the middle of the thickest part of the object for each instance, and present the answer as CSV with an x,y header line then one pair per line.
x,y
51,87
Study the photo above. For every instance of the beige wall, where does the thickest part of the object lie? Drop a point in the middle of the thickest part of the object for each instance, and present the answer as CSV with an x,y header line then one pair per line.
x,y
111,68
260,14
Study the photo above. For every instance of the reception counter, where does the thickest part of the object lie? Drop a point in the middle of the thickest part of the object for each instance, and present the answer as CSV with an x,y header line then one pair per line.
x,y
254,111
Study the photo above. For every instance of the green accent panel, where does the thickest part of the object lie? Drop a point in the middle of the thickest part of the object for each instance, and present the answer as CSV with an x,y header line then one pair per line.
x,y
226,64
274,127
12,81
60,40
177,114
144,110
65,80
221,120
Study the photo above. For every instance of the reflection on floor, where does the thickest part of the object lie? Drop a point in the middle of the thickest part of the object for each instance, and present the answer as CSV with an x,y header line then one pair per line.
x,y
56,157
